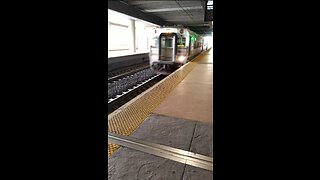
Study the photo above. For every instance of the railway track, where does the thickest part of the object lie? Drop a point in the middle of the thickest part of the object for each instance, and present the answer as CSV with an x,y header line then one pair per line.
x,y
121,71
132,93
117,76
125,87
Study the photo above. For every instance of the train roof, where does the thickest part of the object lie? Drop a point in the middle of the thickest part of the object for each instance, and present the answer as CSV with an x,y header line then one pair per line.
x,y
179,27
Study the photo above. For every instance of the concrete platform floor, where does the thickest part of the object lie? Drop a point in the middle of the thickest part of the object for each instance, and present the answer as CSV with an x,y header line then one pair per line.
x,y
129,164
179,133
193,98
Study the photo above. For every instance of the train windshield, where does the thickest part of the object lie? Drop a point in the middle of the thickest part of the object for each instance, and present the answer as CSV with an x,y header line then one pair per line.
x,y
181,42
166,42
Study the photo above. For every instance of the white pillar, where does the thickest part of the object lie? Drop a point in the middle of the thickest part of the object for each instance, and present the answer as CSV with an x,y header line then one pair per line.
x,y
133,40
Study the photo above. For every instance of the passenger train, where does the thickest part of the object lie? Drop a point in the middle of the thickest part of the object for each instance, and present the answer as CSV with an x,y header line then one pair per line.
x,y
173,47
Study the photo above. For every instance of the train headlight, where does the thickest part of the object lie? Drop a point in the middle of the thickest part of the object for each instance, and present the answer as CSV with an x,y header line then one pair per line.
x,y
181,58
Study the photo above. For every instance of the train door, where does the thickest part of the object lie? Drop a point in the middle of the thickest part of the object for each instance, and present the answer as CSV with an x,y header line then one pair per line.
x,y
168,48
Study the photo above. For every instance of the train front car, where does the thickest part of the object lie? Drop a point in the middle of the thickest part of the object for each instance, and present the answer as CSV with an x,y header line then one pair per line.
x,y
169,49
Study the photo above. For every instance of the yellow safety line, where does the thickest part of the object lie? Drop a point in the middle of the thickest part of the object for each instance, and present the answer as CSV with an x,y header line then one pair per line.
x,y
130,117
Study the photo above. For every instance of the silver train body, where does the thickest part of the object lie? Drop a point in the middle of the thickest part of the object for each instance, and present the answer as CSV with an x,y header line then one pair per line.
x,y
172,47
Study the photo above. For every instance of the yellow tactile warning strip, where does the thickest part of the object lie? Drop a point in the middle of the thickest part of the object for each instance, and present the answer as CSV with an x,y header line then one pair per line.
x,y
112,148
127,120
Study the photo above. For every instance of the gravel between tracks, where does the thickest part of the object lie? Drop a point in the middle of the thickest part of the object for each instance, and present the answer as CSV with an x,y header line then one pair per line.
x,y
118,87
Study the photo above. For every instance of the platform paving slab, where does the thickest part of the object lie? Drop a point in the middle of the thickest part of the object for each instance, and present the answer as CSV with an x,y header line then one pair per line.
x,y
166,130
179,133
202,140
129,164
194,173
184,134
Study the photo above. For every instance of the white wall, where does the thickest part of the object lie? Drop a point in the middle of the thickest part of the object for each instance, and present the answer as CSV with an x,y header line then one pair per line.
x,y
127,35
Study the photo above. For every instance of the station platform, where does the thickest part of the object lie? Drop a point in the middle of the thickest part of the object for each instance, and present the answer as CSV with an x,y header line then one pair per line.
x,y
166,132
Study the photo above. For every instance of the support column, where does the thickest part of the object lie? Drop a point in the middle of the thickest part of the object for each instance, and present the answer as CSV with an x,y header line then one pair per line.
x,y
133,30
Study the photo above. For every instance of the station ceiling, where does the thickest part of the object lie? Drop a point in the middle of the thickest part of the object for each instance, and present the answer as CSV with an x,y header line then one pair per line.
x,y
170,12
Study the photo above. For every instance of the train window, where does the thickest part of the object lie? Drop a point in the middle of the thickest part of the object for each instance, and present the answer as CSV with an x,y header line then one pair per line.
x,y
181,42
166,42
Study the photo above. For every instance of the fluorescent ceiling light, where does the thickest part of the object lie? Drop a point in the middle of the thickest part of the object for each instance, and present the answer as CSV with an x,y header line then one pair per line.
x,y
173,9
